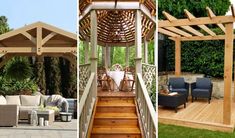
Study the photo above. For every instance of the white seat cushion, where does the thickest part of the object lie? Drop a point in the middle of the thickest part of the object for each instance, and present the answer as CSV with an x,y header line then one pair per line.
x,y
13,99
2,100
28,108
28,100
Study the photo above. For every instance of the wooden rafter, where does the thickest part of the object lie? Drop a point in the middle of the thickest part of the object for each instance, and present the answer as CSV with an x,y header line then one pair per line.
x,y
203,27
163,31
212,15
30,37
48,37
186,27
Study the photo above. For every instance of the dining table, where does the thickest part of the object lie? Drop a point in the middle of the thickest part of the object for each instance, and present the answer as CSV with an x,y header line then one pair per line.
x,y
117,77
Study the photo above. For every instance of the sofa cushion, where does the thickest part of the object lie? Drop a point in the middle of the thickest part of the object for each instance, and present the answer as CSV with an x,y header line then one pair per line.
x,y
2,100
28,100
13,99
27,108
177,83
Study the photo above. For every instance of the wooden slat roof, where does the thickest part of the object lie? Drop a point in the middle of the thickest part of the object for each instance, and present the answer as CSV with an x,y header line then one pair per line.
x,y
116,27
195,28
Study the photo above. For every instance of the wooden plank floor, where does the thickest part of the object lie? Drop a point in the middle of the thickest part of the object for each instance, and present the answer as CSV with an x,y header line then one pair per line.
x,y
198,114
116,93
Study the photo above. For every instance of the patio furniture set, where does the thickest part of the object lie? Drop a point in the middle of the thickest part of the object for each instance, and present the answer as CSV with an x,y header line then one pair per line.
x,y
179,92
18,108
116,78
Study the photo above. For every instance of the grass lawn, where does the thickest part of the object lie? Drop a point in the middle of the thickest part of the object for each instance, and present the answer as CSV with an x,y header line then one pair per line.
x,y
171,131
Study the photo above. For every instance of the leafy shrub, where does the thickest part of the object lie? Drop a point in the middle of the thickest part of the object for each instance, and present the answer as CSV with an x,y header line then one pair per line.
x,y
8,87
18,69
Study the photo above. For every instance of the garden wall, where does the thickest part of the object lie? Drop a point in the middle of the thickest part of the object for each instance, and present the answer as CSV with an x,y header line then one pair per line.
x,y
218,84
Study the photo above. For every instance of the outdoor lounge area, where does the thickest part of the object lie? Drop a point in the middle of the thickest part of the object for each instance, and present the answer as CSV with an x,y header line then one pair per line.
x,y
202,111
33,110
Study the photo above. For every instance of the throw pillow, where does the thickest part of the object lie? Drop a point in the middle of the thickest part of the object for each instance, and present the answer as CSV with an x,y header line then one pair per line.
x,y
2,100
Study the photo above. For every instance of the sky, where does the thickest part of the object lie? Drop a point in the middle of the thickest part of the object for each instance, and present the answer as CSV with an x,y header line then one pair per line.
x,y
59,13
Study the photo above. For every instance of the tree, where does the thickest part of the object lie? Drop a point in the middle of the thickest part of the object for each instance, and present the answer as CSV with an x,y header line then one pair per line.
x,y
196,7
4,27
40,74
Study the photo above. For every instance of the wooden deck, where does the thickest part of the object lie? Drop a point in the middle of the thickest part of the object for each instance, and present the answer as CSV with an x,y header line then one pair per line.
x,y
102,93
198,114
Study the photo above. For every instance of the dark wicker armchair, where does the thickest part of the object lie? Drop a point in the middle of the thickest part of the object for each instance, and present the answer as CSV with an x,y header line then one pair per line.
x,y
202,88
177,84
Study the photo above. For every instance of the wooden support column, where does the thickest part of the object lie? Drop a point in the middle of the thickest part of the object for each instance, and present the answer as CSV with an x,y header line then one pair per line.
x,y
105,57
86,45
145,51
39,40
177,57
94,47
127,55
138,44
228,65
108,56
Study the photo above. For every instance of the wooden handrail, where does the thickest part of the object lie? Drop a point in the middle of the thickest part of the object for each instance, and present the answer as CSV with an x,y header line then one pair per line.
x,y
147,112
85,94
81,65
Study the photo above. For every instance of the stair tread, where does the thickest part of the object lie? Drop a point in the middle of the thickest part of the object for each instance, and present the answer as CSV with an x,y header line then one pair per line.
x,y
115,130
115,104
116,115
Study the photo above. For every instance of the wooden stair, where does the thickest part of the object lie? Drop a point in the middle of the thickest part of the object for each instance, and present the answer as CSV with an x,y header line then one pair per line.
x,y
116,117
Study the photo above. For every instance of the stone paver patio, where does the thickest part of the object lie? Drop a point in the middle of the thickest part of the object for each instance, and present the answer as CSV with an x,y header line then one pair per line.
x,y
56,130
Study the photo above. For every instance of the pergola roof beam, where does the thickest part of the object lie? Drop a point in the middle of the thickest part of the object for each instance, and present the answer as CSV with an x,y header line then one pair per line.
x,y
186,27
203,27
178,31
166,32
30,37
48,37
212,15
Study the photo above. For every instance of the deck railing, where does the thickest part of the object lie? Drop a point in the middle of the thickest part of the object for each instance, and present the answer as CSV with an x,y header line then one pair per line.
x,y
86,105
147,113
149,75
84,74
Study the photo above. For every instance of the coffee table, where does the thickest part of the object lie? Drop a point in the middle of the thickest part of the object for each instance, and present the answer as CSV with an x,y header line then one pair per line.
x,y
46,114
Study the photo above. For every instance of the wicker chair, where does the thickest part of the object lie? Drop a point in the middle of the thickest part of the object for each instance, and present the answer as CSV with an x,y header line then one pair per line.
x,y
104,80
9,115
127,84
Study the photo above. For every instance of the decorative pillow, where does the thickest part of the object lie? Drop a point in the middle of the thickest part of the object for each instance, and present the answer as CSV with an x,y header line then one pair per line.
x,y
2,100
44,99
13,99
53,100
28,100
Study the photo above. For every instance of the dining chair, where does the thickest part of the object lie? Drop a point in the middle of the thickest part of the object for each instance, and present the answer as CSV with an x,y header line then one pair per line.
x,y
127,84
105,80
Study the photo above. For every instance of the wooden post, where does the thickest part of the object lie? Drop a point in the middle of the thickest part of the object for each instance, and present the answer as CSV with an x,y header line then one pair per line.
x,y
127,55
105,57
39,40
177,57
138,44
145,51
86,45
94,47
228,65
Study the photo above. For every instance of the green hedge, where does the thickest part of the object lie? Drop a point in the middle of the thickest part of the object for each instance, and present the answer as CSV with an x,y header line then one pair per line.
x,y
205,57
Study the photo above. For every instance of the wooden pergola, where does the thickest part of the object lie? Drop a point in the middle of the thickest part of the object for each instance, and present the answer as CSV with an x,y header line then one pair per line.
x,y
116,23
38,39
196,29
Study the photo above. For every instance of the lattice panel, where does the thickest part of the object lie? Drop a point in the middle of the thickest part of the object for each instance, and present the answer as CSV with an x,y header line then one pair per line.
x,y
84,74
149,75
